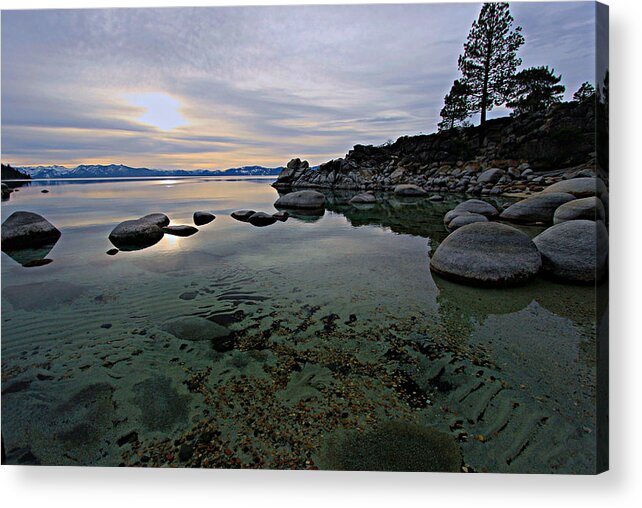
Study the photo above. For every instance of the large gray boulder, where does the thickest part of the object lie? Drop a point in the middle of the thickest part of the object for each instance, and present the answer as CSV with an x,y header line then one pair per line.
x,y
477,206
580,209
538,208
492,175
302,199
295,168
579,187
465,218
575,250
487,254
135,234
27,229
407,189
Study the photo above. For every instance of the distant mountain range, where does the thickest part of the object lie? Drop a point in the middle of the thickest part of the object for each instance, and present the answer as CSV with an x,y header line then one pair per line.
x,y
118,170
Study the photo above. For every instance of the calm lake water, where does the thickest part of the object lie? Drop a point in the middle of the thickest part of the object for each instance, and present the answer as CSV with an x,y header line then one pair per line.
x,y
344,351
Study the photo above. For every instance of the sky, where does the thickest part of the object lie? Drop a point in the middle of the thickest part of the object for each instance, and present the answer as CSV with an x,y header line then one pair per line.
x,y
220,87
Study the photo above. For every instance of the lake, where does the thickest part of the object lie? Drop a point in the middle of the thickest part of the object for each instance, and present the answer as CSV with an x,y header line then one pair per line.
x,y
343,352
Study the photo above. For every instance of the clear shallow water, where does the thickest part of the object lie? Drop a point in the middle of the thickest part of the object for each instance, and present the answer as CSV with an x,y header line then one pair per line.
x,y
340,337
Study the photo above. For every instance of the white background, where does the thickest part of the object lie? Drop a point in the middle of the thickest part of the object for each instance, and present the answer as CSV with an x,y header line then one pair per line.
x,y
621,486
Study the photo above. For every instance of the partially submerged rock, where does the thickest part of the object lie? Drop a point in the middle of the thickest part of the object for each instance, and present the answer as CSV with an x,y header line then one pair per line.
x,y
281,216
306,199
295,168
477,206
580,209
27,229
538,208
159,219
407,189
181,230
575,251
136,234
365,198
202,218
242,215
261,219
488,254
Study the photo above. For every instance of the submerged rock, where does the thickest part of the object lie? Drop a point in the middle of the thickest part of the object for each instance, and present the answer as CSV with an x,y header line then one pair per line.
x,y
365,198
196,329
242,215
487,253
477,206
538,208
261,219
579,187
465,218
575,251
407,189
301,199
27,229
182,230
580,209
202,218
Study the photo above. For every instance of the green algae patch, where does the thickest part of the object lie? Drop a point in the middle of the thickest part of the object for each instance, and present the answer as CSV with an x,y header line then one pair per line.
x,y
393,446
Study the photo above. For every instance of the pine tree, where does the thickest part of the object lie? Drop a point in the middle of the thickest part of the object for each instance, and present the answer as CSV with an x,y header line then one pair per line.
x,y
489,61
456,107
535,89
585,93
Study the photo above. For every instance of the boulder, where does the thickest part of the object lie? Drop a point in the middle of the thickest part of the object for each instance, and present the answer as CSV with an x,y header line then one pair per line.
x,y
281,216
182,230
407,189
435,198
202,218
465,218
295,168
242,215
159,219
27,229
579,187
365,198
487,254
261,219
307,199
492,175
538,208
477,206
6,191
575,250
135,234
580,209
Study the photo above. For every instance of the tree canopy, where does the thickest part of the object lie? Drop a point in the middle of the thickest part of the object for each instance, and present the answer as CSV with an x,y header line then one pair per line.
x,y
456,107
489,62
585,93
535,89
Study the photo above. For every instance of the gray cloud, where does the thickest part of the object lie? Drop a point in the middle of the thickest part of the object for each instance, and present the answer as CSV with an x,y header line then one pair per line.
x,y
256,85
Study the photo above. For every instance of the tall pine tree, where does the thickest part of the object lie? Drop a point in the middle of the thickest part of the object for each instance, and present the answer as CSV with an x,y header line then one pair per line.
x,y
535,89
456,107
489,61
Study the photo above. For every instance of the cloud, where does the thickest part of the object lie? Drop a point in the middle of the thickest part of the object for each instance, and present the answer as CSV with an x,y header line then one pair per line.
x,y
253,84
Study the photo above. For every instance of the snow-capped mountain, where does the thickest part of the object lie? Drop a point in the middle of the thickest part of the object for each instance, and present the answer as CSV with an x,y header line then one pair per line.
x,y
119,170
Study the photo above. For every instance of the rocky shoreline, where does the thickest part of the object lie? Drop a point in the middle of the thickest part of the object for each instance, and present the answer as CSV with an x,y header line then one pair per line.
x,y
519,156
